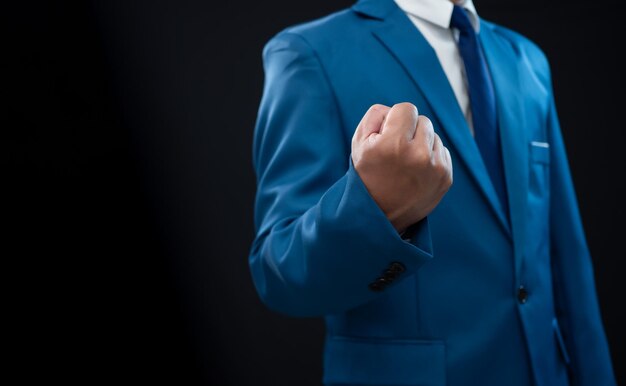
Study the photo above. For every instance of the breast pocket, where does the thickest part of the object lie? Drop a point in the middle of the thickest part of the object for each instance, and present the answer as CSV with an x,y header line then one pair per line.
x,y
538,211
362,361
539,183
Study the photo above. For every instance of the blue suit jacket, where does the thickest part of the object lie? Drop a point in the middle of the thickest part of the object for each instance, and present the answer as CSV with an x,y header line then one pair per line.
x,y
454,316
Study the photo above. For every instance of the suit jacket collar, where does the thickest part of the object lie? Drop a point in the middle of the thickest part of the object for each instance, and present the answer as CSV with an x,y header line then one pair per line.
x,y
376,9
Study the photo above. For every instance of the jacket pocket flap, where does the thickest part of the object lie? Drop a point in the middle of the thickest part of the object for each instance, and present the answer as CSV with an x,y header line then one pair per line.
x,y
561,342
384,362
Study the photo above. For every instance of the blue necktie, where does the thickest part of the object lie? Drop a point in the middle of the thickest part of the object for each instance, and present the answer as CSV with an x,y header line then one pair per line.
x,y
482,100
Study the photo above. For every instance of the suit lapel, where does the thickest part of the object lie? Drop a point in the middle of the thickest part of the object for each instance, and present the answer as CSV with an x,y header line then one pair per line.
x,y
504,69
407,45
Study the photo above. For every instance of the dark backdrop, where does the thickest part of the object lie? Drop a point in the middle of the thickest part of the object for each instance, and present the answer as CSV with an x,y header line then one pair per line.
x,y
128,185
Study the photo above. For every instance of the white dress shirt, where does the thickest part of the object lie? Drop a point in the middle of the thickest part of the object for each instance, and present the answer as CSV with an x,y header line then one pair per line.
x,y
432,19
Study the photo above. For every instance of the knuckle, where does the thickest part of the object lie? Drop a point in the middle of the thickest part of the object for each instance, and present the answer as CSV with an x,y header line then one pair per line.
x,y
406,107
377,106
440,169
426,121
447,178
425,126
421,156
376,109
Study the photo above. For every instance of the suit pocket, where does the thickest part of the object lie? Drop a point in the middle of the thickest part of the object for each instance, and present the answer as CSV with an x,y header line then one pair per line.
x,y
538,196
560,341
362,361
540,152
539,156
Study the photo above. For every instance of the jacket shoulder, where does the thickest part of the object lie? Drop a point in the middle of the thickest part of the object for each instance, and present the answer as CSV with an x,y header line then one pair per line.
x,y
316,35
527,50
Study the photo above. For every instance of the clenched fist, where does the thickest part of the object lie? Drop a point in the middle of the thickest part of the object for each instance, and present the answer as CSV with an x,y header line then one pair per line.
x,y
402,162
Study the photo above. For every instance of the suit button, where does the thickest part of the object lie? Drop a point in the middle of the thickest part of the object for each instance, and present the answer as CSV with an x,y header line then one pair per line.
x,y
397,267
389,275
522,295
377,285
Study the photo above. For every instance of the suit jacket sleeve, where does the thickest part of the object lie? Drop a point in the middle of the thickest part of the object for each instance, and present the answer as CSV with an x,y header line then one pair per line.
x,y
577,307
320,237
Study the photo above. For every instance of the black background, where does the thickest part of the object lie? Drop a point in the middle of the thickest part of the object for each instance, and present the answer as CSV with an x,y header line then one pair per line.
x,y
128,183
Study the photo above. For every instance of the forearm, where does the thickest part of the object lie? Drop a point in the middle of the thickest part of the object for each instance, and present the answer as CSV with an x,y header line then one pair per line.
x,y
325,260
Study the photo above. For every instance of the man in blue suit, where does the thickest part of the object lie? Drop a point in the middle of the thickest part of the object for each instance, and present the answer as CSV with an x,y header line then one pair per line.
x,y
421,281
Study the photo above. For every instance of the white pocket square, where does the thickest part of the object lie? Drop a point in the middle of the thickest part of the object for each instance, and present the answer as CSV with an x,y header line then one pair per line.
x,y
540,144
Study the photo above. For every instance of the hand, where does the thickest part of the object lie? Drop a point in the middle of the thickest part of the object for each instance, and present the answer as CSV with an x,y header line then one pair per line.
x,y
402,162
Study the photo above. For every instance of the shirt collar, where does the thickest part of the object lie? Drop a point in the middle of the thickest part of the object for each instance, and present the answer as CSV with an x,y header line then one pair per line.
x,y
438,12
